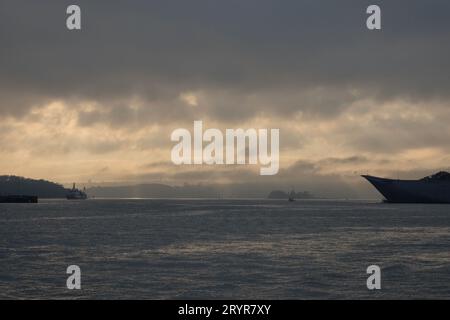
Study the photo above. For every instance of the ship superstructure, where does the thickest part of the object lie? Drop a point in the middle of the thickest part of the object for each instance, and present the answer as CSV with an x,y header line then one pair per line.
x,y
76,194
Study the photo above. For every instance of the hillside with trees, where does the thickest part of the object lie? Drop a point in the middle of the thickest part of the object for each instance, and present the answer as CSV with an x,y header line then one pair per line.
x,y
14,185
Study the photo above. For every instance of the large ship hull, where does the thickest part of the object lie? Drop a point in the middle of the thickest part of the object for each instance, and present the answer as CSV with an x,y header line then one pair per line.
x,y
412,191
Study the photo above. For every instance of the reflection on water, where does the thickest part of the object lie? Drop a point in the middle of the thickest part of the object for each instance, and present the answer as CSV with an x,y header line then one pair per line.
x,y
159,249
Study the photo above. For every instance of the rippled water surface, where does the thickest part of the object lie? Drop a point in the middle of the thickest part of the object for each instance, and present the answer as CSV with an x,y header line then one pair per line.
x,y
177,249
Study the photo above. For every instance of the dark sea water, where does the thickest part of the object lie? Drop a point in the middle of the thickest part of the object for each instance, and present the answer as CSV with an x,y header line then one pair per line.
x,y
212,249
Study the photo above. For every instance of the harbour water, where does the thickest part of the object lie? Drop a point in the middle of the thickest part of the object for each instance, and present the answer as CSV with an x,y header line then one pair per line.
x,y
224,249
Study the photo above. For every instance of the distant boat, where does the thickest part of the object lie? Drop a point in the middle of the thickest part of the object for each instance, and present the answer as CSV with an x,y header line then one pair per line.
x,y
431,189
18,199
291,196
76,194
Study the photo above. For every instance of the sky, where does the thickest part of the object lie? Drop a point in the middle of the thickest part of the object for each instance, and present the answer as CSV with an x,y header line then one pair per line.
x,y
99,104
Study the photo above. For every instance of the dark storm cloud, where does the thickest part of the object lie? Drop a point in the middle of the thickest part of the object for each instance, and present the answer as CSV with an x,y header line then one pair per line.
x,y
282,50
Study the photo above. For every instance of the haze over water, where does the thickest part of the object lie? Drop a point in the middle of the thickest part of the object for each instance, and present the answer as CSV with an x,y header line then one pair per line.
x,y
249,249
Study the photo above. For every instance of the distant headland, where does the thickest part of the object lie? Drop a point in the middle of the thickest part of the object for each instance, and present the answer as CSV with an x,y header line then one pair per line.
x,y
10,185
15,185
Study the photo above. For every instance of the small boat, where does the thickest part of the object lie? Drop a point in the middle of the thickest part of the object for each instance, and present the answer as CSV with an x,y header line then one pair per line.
x,y
76,194
291,196
18,199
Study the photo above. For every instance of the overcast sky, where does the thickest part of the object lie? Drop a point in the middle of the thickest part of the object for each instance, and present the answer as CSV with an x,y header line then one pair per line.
x,y
99,104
